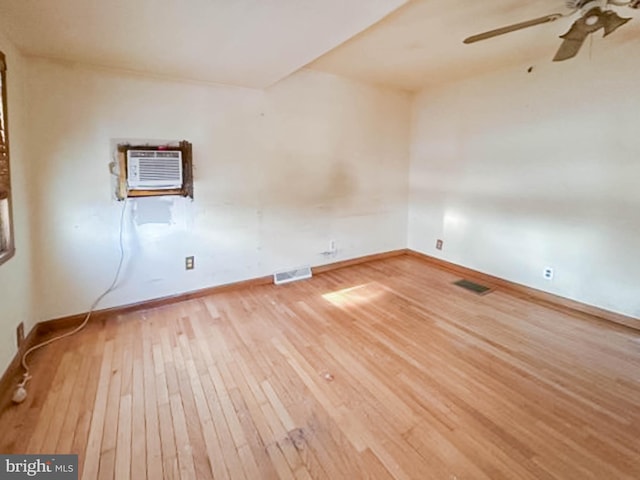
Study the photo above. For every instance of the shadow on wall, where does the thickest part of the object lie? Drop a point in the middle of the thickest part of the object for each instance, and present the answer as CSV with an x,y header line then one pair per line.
x,y
297,190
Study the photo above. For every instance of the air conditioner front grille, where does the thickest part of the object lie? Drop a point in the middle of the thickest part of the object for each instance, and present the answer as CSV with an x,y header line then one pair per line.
x,y
154,169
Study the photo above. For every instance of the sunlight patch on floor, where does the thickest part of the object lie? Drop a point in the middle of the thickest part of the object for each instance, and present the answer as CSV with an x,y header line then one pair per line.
x,y
355,295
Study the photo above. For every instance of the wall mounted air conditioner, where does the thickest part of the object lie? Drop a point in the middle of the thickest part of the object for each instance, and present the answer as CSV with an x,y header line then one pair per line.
x,y
154,169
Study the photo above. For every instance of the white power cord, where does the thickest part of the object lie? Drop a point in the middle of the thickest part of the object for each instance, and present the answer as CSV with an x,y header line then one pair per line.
x,y
21,392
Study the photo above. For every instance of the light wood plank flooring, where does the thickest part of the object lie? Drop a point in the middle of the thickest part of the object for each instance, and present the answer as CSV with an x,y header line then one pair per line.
x,y
383,370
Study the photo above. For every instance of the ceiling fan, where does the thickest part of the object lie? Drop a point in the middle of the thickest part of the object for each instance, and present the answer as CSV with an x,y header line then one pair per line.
x,y
594,15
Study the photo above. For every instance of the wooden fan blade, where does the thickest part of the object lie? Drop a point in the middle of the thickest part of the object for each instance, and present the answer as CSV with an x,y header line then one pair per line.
x,y
581,29
612,21
513,28
569,49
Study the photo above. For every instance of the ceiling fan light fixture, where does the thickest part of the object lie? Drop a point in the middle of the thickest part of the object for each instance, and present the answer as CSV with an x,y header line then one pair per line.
x,y
592,20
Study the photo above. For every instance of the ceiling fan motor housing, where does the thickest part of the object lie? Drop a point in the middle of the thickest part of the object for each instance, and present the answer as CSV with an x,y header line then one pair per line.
x,y
586,5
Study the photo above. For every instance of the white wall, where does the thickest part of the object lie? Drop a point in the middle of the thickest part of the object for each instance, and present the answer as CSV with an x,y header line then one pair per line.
x,y
15,274
518,171
278,173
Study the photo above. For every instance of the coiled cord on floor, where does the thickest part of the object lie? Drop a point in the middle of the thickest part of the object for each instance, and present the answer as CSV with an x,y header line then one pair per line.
x,y
21,392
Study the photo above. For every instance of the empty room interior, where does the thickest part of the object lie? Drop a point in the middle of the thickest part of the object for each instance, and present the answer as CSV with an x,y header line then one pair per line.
x,y
390,239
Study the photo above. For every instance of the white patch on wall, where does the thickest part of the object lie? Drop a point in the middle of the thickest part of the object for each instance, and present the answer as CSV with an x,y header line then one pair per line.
x,y
153,210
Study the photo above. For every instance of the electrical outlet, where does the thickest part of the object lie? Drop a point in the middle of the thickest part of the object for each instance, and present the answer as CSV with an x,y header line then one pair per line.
x,y
332,245
20,334
189,263
439,244
548,273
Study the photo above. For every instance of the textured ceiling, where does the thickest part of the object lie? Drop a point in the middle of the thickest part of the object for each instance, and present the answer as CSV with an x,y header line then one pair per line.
x,y
250,43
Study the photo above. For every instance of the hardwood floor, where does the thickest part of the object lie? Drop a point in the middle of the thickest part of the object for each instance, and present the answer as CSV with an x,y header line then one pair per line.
x,y
382,370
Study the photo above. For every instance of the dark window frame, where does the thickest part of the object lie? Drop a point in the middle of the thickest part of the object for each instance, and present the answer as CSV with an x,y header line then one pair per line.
x,y
7,242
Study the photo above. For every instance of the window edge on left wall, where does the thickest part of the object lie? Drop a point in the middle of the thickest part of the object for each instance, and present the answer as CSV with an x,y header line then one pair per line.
x,y
7,240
